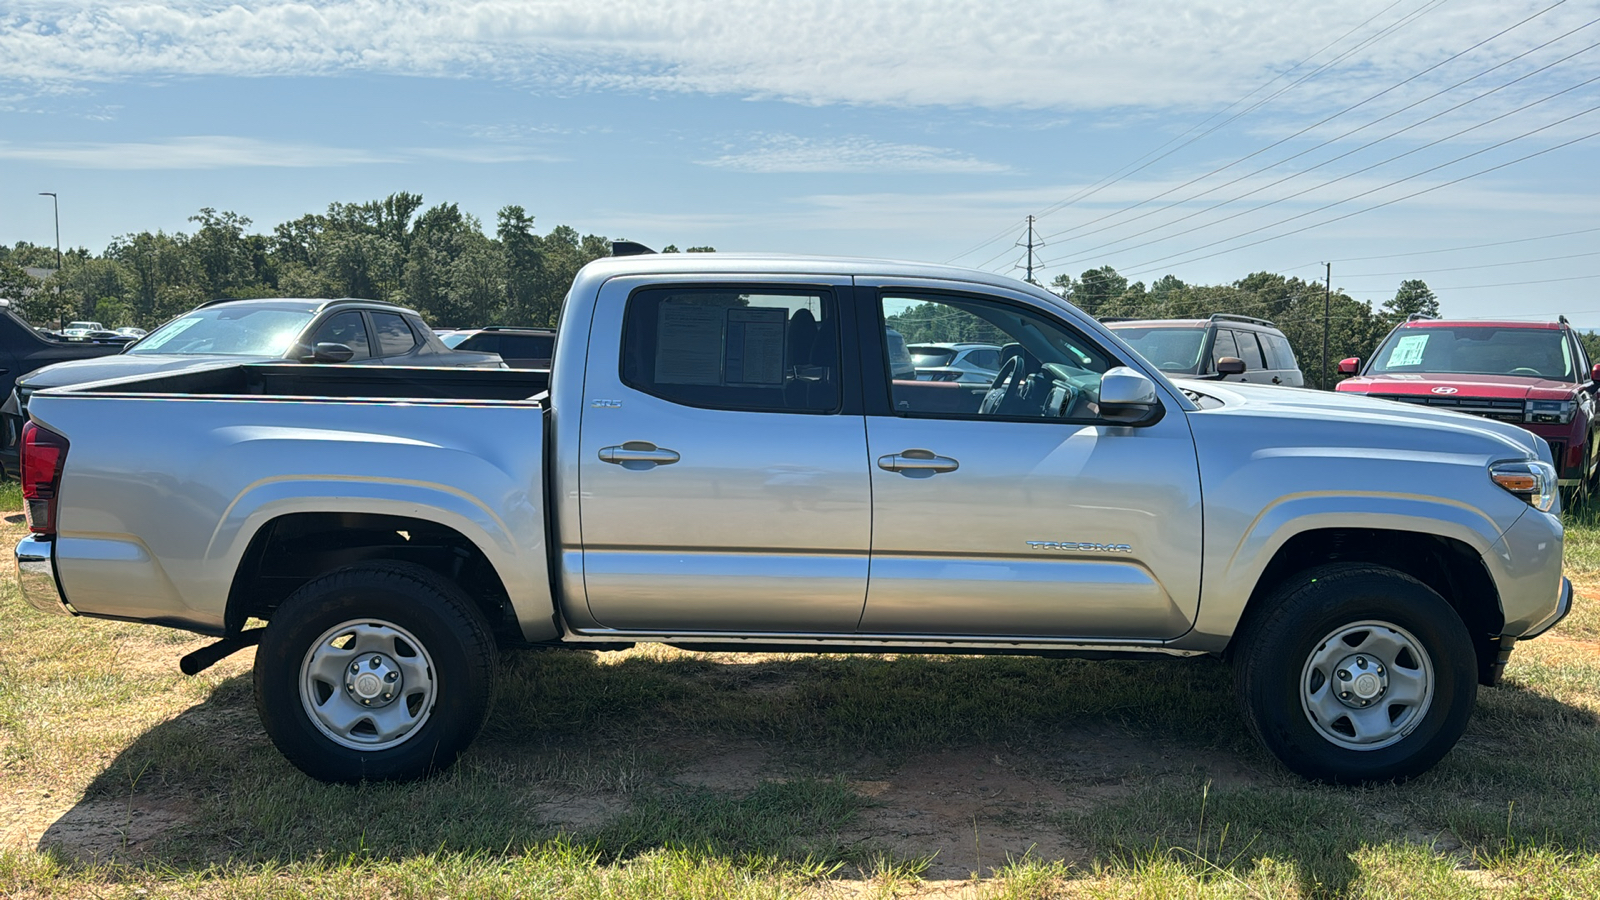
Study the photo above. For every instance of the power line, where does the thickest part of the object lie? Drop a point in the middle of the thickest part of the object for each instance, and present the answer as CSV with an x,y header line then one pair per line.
x,y
1140,266
1215,206
1473,287
1323,121
1519,262
1542,237
1119,174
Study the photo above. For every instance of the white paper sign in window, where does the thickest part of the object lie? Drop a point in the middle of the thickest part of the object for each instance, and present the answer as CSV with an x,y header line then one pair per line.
x,y
1408,350
689,344
754,353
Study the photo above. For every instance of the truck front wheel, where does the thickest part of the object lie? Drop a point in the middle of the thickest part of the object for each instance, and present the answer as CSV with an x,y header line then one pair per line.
x,y
1356,673
377,672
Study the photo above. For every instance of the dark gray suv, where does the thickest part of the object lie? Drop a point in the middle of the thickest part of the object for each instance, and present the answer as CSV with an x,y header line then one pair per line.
x,y
1194,348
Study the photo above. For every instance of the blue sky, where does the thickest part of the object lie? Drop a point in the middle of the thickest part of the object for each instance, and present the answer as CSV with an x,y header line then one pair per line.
x,y
917,130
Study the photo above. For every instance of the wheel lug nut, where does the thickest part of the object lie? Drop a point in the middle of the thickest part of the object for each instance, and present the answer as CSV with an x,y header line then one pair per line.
x,y
366,702
376,662
1361,662
355,667
1344,695
1343,675
392,676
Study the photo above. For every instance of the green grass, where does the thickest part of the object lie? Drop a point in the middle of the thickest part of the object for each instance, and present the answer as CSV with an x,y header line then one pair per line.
x,y
591,781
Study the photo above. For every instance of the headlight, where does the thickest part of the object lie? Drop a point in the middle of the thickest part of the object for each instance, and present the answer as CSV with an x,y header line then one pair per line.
x,y
1550,412
1532,480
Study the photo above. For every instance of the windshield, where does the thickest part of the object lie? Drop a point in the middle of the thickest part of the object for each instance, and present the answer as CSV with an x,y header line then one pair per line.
x,y
224,331
1174,350
1477,350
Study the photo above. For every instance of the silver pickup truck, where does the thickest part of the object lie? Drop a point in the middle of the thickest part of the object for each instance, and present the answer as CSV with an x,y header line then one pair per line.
x,y
723,457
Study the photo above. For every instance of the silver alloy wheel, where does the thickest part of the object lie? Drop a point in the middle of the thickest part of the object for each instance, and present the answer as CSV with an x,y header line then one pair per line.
x,y
367,684
1367,685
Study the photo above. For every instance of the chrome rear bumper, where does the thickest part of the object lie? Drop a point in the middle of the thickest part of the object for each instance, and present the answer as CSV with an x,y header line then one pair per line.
x,y
36,575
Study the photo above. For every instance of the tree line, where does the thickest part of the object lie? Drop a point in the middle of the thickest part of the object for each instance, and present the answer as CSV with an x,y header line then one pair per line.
x,y
441,262
437,260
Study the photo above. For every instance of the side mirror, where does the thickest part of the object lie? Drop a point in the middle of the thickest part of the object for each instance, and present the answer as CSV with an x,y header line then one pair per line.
x,y
1353,365
327,352
1594,373
1230,365
1127,397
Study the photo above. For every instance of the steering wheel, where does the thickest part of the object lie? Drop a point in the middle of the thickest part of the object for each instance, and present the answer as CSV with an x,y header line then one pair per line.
x,y
1524,370
1001,389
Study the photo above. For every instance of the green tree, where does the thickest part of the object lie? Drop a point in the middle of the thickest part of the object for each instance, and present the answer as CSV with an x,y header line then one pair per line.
x,y
1413,298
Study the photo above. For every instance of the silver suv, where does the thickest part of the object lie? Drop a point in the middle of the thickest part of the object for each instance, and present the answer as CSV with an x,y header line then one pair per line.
x,y
1196,348
968,363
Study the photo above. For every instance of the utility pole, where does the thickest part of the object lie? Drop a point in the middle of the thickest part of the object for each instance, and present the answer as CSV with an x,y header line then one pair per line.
x,y
1030,251
56,203
1327,300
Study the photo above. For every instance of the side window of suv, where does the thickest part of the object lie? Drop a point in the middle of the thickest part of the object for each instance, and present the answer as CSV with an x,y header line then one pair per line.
x,y
1223,345
770,350
345,328
1250,351
394,335
1279,354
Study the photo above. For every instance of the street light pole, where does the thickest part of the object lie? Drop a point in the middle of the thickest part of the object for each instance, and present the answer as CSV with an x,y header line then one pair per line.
x,y
56,203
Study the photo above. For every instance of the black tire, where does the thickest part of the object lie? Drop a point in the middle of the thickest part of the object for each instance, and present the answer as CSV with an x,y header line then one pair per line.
x,y
1284,676
441,655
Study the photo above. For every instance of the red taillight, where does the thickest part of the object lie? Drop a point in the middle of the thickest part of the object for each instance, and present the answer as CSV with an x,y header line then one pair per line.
x,y
43,453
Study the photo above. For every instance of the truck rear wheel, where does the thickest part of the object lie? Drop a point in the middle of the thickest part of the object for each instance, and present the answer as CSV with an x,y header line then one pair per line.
x,y
1356,673
378,672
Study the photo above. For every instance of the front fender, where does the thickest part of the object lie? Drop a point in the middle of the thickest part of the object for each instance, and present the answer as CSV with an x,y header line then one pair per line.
x,y
1234,567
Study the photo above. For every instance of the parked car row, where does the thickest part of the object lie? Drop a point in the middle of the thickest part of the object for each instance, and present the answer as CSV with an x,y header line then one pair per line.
x,y
348,330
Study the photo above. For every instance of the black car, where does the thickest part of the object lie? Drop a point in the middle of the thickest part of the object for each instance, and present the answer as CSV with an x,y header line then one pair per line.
x,y
349,330
520,348
1193,348
24,348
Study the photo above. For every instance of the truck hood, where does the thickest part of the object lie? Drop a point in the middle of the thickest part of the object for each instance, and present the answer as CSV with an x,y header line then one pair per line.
x,y
82,371
1380,424
1494,387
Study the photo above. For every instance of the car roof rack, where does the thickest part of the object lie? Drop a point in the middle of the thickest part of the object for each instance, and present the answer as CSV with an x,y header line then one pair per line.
x,y
1117,319
1235,317
1563,320
629,248
1418,316
337,300
517,328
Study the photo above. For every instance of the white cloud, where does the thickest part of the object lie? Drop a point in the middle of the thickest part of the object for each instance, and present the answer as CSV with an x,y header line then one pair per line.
x,y
994,53
223,152
769,153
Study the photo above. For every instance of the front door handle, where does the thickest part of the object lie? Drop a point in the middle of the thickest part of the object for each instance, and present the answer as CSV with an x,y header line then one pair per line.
x,y
638,455
917,463
1277,380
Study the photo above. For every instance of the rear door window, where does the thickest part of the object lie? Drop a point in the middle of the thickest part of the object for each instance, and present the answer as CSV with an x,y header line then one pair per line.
x,y
773,350
394,336
1250,351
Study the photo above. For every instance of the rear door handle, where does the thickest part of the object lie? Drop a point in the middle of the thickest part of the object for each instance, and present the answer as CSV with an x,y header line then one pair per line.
x,y
917,462
638,455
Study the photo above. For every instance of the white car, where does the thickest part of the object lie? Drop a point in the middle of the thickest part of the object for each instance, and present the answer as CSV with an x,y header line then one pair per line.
x,y
81,329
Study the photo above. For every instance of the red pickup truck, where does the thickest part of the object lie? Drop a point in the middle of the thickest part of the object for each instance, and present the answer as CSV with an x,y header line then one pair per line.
x,y
1535,374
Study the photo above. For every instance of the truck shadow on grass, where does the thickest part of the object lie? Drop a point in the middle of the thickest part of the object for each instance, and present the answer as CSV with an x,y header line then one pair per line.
x,y
854,765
